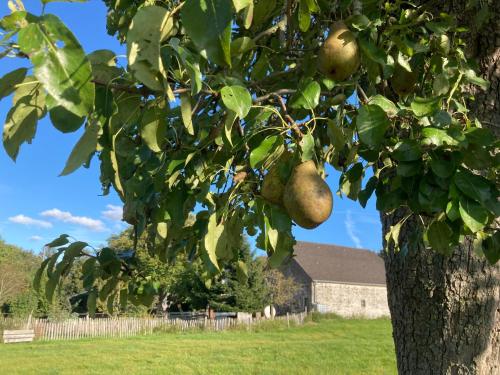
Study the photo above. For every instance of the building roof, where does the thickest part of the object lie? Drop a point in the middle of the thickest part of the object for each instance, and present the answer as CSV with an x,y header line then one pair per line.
x,y
341,264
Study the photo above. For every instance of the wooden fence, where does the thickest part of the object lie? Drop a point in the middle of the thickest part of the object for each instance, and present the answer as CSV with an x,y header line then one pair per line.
x,y
73,329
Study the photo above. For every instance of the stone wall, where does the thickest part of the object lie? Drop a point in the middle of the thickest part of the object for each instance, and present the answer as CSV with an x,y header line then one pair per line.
x,y
350,300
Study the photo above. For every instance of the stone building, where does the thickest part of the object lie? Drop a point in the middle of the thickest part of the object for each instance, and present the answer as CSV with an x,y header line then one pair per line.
x,y
346,281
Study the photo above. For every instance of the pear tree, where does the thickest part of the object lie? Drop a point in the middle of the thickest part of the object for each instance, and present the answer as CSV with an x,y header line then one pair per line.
x,y
226,112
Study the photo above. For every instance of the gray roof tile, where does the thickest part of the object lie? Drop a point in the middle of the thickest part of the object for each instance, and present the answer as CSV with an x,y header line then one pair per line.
x,y
339,263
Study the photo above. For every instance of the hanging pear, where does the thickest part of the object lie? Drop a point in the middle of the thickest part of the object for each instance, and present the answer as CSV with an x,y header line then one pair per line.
x,y
307,198
402,81
273,184
339,56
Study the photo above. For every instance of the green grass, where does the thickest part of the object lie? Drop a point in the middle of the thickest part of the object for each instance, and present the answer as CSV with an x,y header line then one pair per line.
x,y
327,346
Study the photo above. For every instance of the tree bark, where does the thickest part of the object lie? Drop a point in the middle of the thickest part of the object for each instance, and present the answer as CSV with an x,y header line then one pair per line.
x,y
445,311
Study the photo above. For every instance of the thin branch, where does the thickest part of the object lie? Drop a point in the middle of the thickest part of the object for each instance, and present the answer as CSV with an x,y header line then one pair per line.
x,y
362,95
280,25
263,98
144,91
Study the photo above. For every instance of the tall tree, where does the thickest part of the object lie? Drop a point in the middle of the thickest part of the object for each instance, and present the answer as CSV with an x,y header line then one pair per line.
x,y
453,302
227,112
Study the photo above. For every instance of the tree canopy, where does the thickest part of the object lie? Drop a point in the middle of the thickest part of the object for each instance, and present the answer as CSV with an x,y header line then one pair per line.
x,y
214,93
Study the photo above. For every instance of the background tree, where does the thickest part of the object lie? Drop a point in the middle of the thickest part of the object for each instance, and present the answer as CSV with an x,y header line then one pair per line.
x,y
282,289
219,96
240,286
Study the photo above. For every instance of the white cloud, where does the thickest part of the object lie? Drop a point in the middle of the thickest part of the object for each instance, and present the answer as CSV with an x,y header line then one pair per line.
x,y
26,220
67,217
113,213
36,238
350,227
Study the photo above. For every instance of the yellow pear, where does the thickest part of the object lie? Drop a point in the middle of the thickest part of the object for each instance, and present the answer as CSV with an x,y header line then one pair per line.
x,y
307,198
339,56
403,82
272,187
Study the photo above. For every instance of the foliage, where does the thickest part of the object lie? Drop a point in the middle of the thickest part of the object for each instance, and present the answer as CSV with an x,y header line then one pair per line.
x,y
337,346
236,288
17,295
16,269
219,89
282,289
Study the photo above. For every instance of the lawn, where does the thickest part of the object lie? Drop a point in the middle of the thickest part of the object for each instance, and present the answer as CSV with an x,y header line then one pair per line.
x,y
331,346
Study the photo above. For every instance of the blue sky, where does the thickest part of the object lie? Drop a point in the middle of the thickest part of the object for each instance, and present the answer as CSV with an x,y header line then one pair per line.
x,y
36,205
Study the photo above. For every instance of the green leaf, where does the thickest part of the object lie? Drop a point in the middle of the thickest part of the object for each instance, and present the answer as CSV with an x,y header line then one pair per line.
x,y
304,16
83,149
242,45
191,63
211,240
307,96
149,25
473,214
307,147
259,154
407,150
228,126
208,24
60,63
89,273
441,166
9,81
64,120
441,85
336,135
491,248
371,51
22,118
388,106
153,128
365,194
60,241
38,275
425,106
392,236
241,4
372,123
237,99
437,137
439,235
351,181
474,186
452,210
109,261
186,111
471,76
162,230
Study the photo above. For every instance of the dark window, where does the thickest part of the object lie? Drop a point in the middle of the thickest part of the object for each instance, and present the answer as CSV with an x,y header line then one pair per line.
x,y
363,303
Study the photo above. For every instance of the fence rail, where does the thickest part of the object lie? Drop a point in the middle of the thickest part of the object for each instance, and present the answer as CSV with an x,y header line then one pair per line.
x,y
73,329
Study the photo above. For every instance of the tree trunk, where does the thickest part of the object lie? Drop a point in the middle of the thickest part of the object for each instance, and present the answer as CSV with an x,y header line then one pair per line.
x,y
446,311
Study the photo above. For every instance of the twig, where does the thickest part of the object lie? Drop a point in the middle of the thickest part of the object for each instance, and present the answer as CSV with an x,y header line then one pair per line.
x,y
263,98
144,91
364,99
289,118
280,25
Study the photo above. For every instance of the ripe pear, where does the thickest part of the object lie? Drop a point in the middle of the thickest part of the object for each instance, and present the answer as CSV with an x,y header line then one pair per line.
x,y
273,184
273,187
339,56
307,198
403,82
